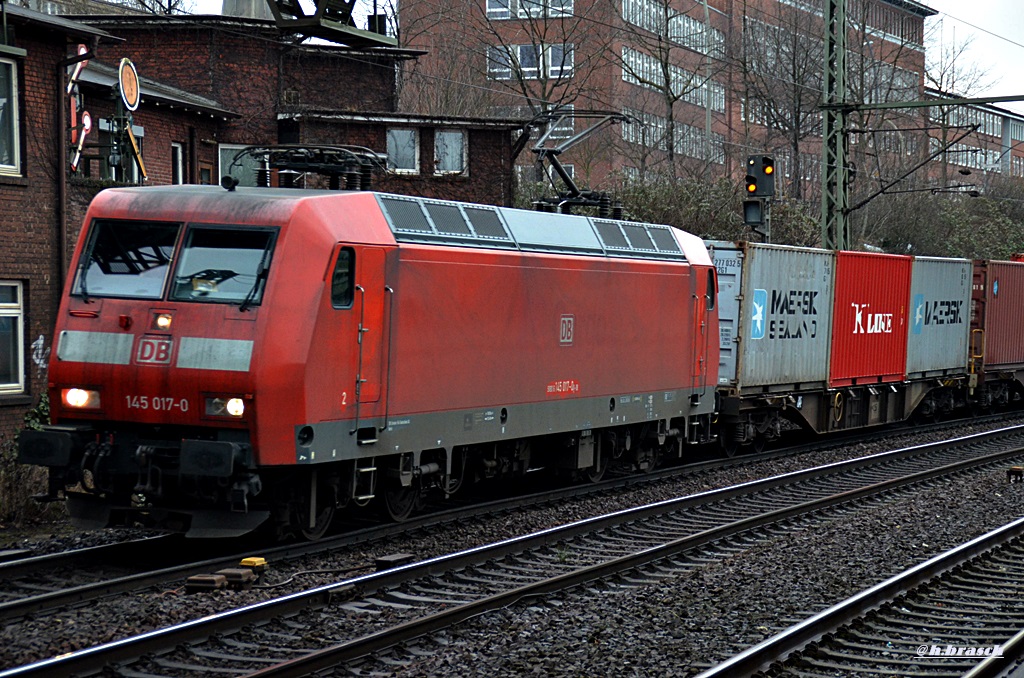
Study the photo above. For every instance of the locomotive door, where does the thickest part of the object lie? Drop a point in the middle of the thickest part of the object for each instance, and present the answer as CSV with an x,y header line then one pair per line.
x,y
702,285
370,305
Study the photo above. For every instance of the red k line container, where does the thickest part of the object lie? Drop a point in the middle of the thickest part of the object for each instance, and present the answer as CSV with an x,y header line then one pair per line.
x,y
869,318
998,309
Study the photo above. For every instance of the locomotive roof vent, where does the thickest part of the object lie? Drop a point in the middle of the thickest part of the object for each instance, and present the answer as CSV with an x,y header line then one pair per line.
x,y
418,220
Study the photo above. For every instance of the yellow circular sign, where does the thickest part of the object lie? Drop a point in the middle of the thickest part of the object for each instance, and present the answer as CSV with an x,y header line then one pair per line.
x,y
128,79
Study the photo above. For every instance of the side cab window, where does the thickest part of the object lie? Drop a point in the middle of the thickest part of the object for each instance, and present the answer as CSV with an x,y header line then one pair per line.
x,y
343,278
712,289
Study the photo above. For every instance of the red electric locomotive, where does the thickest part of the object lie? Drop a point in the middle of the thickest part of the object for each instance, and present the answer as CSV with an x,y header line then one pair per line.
x,y
224,358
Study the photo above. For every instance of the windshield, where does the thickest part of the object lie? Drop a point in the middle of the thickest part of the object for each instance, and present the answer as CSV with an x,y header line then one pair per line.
x,y
223,264
127,259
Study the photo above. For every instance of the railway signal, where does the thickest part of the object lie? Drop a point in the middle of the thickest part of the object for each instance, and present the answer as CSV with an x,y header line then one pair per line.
x,y
760,181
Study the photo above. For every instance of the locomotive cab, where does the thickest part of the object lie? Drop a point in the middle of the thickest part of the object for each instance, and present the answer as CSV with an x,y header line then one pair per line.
x,y
150,383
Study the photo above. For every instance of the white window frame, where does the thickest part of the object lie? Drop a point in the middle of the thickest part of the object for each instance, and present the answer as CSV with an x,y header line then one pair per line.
x,y
525,9
567,128
463,160
499,63
561,66
499,9
504,61
560,7
532,8
13,166
16,310
532,72
416,151
177,163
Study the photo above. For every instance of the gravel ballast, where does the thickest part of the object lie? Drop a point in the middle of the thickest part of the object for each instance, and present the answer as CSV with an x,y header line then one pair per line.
x,y
694,620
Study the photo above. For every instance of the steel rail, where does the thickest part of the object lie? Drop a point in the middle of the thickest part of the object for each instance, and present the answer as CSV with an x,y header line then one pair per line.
x,y
812,629
13,609
103,553
96,658
1013,650
359,647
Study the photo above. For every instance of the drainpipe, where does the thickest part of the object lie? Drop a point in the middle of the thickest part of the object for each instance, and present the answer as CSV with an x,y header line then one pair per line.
x,y
62,163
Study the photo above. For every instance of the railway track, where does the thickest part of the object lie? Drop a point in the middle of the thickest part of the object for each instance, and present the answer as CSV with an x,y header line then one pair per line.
x,y
389,608
957,614
43,584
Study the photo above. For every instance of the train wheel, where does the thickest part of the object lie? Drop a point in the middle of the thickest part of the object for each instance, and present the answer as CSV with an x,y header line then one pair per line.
x,y
759,443
729,445
322,523
313,510
399,501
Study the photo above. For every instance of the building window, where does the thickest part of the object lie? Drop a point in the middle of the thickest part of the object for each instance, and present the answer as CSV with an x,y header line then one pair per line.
x,y
498,9
544,8
242,167
10,141
507,9
533,174
404,151
449,152
177,164
560,7
560,60
12,359
499,64
564,126
531,62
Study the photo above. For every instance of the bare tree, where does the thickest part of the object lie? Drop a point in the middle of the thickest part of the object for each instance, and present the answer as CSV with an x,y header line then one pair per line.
x,y
781,59
950,72
673,60
448,79
515,57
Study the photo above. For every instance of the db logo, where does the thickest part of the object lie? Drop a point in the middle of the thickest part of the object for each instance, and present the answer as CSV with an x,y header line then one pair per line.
x,y
568,326
154,351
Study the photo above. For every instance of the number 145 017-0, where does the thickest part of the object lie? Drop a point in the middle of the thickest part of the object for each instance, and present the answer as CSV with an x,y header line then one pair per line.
x,y
158,403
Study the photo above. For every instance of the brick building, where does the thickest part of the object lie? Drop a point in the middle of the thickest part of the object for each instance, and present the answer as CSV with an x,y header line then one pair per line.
x,y
33,213
704,82
284,92
209,87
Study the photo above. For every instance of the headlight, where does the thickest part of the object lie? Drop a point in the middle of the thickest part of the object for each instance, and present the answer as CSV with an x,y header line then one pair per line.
x,y
225,407
162,321
80,399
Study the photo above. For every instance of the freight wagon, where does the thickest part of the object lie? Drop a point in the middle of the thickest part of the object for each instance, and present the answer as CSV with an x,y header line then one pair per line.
x,y
835,340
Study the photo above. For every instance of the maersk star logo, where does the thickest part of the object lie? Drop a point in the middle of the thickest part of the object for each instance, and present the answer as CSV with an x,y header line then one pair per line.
x,y
918,314
757,319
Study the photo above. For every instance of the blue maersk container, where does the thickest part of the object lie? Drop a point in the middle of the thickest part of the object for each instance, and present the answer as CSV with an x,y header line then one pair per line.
x,y
938,317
